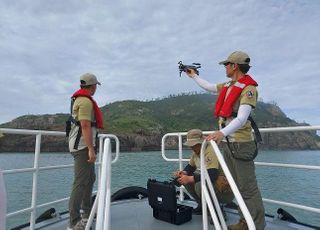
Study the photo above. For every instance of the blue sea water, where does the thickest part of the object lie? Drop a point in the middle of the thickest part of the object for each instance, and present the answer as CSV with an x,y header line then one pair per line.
x,y
134,168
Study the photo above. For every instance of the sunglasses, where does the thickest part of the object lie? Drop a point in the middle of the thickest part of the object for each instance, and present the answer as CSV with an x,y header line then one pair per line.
x,y
227,63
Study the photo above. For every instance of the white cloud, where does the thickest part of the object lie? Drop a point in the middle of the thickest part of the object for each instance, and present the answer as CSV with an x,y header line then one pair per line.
x,y
134,46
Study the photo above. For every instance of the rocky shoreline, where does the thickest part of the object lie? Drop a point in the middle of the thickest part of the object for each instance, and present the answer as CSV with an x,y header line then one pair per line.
x,y
137,143
140,125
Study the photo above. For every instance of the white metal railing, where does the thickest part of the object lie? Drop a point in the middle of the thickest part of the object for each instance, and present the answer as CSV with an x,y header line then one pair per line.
x,y
206,183
179,135
296,166
180,159
102,202
36,169
206,197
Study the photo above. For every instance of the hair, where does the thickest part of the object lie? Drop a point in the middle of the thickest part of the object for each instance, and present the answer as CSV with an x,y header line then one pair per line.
x,y
85,86
244,68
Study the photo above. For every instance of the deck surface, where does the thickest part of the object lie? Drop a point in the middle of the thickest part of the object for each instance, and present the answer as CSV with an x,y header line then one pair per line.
x,y
137,215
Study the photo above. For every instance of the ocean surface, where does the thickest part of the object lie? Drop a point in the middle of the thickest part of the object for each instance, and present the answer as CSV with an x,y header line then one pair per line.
x,y
133,169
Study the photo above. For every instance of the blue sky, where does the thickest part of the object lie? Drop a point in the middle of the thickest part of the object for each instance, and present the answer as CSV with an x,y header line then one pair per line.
x,y
133,47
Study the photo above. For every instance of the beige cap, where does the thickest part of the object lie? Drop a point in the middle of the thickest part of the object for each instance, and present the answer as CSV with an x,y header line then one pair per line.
x,y
194,136
88,79
237,57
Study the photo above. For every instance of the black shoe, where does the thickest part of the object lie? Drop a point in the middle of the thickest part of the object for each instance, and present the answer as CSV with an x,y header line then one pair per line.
x,y
197,210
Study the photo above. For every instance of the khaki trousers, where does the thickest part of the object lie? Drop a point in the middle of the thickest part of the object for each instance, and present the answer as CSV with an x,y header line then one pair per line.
x,y
243,172
84,178
195,192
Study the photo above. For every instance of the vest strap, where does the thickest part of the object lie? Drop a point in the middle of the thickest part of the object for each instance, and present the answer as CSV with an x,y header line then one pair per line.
x,y
77,141
254,127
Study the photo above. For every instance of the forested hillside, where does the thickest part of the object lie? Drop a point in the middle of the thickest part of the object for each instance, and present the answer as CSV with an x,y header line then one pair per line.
x,y
141,124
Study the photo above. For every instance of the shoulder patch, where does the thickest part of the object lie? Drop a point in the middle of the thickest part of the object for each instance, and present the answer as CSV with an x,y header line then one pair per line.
x,y
208,159
250,94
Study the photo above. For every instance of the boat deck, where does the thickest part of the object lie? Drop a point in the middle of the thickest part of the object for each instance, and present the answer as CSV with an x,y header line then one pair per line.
x,y
136,214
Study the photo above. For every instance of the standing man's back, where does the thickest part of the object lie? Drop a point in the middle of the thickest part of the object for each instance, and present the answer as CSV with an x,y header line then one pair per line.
x,y
85,120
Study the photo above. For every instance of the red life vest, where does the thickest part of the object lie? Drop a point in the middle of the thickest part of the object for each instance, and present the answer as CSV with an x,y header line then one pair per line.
x,y
223,107
97,112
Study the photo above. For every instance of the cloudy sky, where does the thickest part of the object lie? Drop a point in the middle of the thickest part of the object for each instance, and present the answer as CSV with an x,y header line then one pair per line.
x,y
133,47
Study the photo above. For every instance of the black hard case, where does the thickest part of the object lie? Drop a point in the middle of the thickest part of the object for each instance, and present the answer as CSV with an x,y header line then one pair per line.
x,y
162,199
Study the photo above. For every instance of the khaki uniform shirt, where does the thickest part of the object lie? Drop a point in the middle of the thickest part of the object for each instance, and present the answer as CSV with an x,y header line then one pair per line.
x,y
211,159
248,96
82,110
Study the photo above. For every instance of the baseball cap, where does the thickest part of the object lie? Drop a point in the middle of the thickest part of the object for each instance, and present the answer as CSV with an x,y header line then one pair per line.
x,y
237,57
194,136
88,79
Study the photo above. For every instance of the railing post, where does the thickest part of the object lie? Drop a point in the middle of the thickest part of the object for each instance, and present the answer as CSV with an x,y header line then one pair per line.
x,y
35,182
203,186
106,225
206,198
234,187
181,197
103,212
102,203
100,158
180,152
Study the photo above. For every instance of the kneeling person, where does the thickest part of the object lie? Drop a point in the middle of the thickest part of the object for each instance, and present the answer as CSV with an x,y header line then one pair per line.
x,y
190,176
